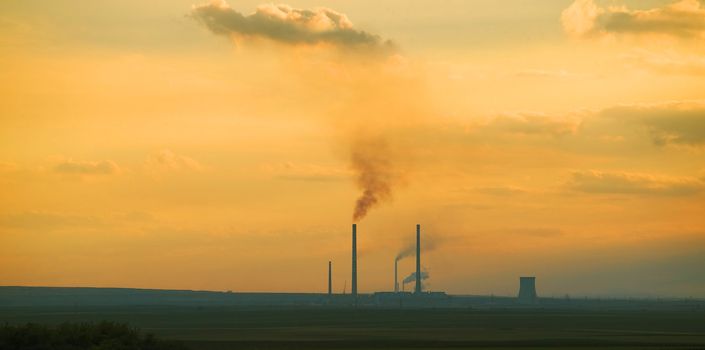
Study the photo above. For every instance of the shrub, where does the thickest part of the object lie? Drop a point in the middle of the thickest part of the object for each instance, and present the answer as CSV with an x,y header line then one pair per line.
x,y
78,336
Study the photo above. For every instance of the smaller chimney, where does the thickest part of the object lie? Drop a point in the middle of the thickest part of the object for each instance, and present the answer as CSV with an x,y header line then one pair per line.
x,y
330,279
396,280
417,290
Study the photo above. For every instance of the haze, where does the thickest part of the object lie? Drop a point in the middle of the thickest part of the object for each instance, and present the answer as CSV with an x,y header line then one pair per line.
x,y
230,145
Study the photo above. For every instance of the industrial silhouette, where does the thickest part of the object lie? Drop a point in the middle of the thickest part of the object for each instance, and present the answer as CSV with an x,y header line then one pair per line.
x,y
417,298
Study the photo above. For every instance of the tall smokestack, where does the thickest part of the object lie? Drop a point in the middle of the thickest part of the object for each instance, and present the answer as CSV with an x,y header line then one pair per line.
x,y
418,259
354,260
330,279
396,280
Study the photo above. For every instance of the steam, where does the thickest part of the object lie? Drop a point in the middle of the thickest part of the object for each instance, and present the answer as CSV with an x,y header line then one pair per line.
x,y
371,162
412,277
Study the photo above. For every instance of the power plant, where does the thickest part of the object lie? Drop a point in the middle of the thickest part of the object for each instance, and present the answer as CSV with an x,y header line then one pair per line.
x,y
418,297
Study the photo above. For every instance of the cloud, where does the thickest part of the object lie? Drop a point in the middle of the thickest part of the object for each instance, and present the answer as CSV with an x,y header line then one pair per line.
x,y
532,124
668,123
682,19
48,221
665,124
70,166
546,74
134,216
168,161
598,182
6,167
307,172
500,190
42,220
614,131
667,62
536,232
285,24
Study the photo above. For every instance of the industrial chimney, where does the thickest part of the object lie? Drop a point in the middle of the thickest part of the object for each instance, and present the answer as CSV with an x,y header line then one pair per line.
x,y
396,280
354,260
330,279
527,290
418,259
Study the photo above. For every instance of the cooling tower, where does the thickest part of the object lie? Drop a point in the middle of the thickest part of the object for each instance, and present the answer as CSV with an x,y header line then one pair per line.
x,y
354,260
330,279
418,259
527,290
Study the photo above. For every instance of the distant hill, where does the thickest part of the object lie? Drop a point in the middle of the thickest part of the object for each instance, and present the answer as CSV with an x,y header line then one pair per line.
x,y
69,296
111,297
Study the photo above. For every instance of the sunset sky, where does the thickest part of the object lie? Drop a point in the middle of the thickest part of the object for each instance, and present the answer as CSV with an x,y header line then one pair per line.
x,y
226,145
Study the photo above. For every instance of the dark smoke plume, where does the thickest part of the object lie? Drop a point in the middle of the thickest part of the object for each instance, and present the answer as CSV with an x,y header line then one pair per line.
x,y
374,175
412,277
377,94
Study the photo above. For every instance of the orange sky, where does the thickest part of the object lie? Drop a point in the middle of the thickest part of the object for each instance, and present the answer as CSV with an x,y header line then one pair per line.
x,y
223,145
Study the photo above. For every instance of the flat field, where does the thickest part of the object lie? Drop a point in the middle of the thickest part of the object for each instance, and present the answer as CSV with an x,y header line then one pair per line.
x,y
329,328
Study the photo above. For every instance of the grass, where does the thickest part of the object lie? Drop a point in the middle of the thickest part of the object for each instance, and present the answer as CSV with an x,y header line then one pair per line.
x,y
212,328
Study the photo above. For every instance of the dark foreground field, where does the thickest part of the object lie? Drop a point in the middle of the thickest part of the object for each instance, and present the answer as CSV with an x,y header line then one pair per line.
x,y
321,328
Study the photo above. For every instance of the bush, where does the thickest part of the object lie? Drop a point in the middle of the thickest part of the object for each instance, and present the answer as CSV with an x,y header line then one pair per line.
x,y
79,336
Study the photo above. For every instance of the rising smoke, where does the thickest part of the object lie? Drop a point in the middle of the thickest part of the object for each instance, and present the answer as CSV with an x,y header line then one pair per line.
x,y
428,243
412,277
369,86
406,252
382,152
374,174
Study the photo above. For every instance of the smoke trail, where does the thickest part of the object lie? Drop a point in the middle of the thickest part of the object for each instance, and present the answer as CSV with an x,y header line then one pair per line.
x,y
374,174
406,252
428,243
375,93
412,277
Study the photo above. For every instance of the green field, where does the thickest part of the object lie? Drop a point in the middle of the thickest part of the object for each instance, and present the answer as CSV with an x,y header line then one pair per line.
x,y
323,328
